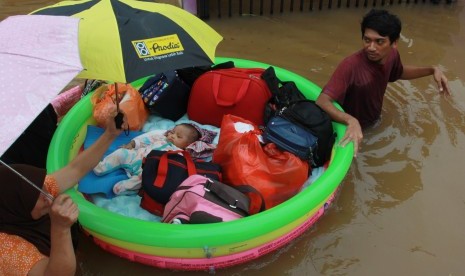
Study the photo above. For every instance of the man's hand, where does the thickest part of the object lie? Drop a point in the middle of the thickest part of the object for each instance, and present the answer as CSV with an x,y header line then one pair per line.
x,y
354,130
353,133
442,81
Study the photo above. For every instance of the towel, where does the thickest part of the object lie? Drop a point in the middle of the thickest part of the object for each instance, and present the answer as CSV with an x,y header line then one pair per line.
x,y
91,183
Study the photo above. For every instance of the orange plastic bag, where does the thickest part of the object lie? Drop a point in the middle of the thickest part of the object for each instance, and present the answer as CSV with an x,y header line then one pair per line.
x,y
277,175
130,103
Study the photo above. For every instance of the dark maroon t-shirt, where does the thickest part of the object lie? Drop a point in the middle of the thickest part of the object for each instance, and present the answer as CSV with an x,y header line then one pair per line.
x,y
359,84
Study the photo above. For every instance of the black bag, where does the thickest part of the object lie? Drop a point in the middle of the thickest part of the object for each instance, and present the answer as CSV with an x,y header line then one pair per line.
x,y
284,93
190,74
166,95
293,138
164,171
310,116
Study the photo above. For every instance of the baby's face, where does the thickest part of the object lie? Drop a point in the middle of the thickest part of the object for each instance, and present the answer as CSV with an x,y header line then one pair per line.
x,y
180,136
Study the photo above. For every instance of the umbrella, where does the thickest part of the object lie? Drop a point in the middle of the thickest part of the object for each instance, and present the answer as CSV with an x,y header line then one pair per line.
x,y
124,40
38,57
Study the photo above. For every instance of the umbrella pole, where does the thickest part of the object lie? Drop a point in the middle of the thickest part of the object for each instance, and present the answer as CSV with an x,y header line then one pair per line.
x,y
119,115
49,196
116,97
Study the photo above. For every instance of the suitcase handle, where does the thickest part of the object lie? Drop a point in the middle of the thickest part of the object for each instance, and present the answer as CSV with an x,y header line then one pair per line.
x,y
163,167
216,90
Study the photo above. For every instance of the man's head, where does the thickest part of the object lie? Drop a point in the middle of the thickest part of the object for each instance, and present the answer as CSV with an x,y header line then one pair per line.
x,y
183,135
383,22
380,33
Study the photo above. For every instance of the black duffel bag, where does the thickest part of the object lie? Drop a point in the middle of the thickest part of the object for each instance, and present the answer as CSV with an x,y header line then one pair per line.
x,y
164,171
166,95
190,74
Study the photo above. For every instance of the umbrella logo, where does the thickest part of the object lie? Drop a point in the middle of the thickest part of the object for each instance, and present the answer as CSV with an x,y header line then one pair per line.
x,y
158,46
141,49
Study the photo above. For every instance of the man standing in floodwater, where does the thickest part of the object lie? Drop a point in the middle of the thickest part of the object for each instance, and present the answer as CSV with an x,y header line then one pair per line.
x,y
360,80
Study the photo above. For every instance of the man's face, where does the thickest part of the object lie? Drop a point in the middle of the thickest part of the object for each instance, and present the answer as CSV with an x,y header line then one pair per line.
x,y
377,47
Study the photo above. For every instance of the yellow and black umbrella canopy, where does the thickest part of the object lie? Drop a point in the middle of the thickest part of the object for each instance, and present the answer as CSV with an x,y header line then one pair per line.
x,y
124,40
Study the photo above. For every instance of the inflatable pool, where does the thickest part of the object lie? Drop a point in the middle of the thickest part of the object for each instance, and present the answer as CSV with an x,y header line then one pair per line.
x,y
206,246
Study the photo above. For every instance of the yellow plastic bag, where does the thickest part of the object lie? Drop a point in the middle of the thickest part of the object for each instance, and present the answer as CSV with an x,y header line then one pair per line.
x,y
130,103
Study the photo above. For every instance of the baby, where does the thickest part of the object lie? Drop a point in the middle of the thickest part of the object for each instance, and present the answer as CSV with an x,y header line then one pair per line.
x,y
129,157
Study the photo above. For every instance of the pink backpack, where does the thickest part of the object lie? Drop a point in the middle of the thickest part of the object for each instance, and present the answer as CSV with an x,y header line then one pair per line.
x,y
201,200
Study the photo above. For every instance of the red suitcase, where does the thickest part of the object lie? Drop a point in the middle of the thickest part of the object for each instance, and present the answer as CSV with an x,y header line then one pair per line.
x,y
237,91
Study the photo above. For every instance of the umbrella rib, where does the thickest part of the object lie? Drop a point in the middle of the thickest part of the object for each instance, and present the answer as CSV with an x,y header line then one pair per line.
x,y
41,59
49,196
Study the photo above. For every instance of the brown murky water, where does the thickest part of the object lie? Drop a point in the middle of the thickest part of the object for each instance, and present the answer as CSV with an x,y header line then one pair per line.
x,y
401,208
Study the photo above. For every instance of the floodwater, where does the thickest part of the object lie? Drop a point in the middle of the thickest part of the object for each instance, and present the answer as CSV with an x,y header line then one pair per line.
x,y
401,207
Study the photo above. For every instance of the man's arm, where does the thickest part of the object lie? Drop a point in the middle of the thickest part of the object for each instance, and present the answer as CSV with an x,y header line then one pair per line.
x,y
414,72
354,130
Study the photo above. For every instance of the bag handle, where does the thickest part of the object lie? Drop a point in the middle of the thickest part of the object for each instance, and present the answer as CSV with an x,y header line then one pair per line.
x,y
271,80
163,167
216,90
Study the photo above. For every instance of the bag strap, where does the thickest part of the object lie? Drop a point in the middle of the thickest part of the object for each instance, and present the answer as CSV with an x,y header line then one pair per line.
x,y
281,94
223,65
250,189
271,80
212,186
215,187
216,90
162,172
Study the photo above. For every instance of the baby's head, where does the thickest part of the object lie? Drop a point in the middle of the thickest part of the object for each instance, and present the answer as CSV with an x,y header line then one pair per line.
x,y
183,135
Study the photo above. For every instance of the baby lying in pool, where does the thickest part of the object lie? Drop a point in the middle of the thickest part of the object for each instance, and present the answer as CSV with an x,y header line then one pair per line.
x,y
129,157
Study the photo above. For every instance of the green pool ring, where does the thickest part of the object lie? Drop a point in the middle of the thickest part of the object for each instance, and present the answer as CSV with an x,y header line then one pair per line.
x,y
198,242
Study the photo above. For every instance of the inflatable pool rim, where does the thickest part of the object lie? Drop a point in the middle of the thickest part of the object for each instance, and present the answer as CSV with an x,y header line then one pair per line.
x,y
140,236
